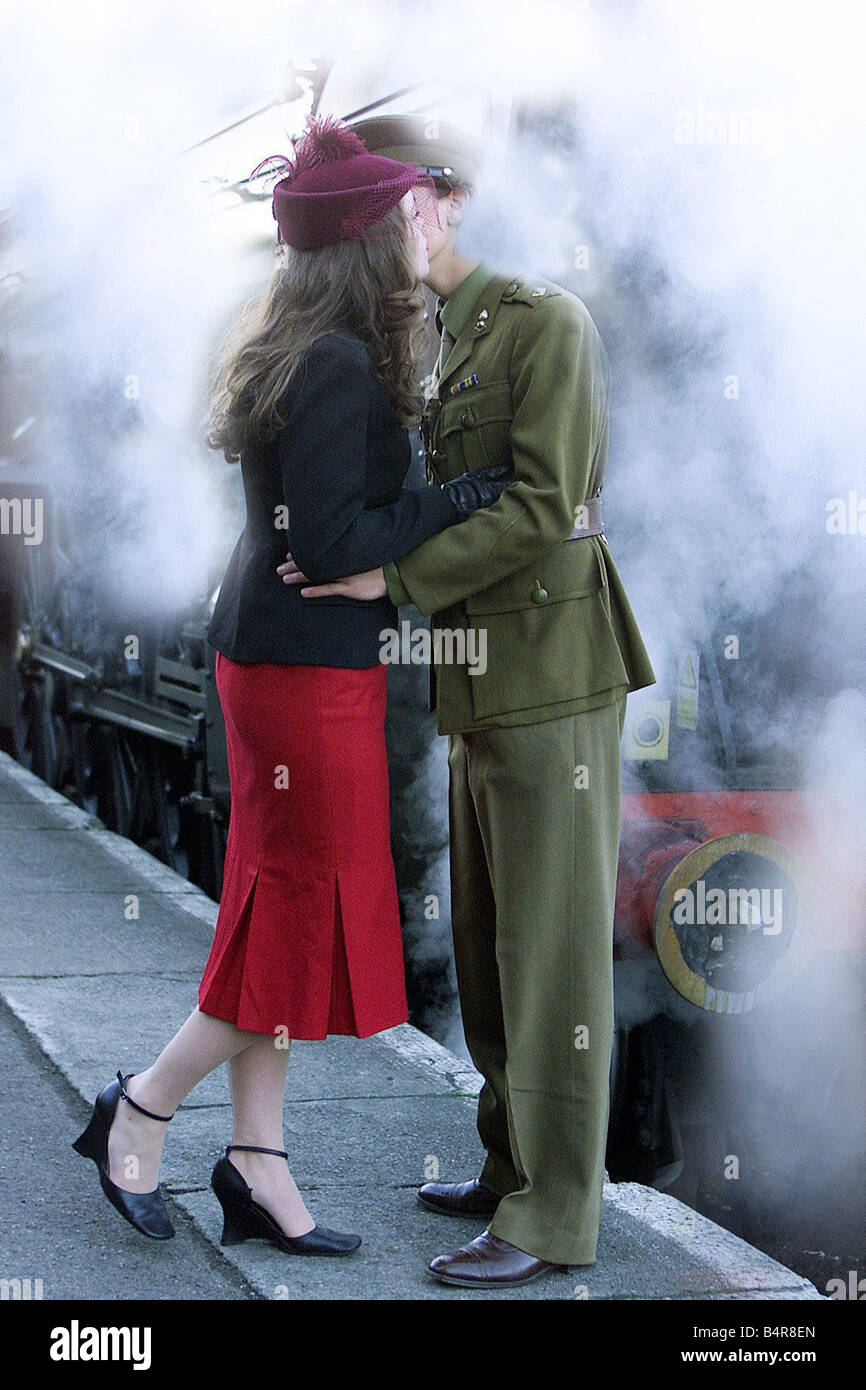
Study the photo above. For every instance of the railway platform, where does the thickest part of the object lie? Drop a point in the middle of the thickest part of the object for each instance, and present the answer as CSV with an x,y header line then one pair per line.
x,y
101,951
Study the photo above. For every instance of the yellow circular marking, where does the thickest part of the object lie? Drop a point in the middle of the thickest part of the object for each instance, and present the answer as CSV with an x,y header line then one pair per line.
x,y
685,981
639,738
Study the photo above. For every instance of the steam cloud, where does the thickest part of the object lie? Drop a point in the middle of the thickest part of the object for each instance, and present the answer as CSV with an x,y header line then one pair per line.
x,y
695,173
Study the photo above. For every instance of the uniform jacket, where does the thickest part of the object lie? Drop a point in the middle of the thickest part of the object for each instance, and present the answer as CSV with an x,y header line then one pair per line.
x,y
335,475
560,633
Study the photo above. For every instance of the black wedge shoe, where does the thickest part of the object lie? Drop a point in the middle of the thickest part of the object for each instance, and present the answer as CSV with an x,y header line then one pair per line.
x,y
144,1210
244,1219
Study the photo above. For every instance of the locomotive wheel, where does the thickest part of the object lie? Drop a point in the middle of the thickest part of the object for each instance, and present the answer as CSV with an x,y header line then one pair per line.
x,y
133,791
81,759
113,777
154,817
203,836
40,737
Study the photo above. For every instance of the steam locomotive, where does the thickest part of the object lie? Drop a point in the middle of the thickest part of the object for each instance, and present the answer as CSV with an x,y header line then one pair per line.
x,y
740,972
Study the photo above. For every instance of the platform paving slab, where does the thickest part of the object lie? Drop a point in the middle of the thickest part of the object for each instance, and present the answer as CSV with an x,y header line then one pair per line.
x,y
367,1120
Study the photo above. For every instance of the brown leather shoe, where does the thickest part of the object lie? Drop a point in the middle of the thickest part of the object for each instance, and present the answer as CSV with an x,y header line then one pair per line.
x,y
488,1263
458,1198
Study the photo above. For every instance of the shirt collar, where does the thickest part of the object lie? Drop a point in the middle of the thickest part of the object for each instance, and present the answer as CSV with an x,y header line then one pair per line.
x,y
457,307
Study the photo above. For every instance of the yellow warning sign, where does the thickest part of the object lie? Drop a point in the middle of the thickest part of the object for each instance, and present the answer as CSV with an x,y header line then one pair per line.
x,y
688,674
687,690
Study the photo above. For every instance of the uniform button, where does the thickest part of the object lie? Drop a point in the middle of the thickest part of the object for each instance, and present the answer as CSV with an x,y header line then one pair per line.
x,y
512,288
464,419
539,594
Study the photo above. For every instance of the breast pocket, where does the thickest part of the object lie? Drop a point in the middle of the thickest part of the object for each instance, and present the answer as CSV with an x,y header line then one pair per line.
x,y
475,428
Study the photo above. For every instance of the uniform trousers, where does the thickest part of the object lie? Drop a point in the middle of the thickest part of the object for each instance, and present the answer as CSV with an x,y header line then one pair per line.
x,y
534,821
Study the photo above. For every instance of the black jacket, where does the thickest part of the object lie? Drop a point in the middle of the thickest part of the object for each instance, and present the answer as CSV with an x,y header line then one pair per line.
x,y
337,470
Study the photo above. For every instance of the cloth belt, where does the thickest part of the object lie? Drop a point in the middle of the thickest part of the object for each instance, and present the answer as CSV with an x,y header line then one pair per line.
x,y
594,523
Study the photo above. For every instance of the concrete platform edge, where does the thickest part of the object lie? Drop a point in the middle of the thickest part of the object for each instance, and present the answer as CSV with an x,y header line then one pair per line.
x,y
663,1215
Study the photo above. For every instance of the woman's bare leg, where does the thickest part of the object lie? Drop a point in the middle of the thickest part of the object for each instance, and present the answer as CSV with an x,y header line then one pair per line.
x,y
135,1142
258,1082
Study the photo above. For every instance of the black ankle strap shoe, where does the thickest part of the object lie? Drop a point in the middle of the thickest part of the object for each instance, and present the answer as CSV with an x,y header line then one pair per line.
x,y
244,1219
146,1211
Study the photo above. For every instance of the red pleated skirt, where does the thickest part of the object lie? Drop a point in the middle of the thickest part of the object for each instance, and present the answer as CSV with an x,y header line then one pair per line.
x,y
308,939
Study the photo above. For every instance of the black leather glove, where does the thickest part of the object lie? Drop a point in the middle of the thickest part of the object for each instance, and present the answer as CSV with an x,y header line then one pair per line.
x,y
473,490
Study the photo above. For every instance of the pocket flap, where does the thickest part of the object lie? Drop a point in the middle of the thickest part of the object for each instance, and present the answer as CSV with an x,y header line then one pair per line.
x,y
573,570
476,406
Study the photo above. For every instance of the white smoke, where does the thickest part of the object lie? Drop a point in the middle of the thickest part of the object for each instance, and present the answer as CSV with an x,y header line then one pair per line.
x,y
723,138
717,160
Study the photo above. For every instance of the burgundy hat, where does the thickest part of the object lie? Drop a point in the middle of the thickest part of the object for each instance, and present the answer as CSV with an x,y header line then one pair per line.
x,y
335,188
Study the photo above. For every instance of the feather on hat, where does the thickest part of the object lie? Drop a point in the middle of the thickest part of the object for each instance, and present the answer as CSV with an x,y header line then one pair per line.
x,y
333,187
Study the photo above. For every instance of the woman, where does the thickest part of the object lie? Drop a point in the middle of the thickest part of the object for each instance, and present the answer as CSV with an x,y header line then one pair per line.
x,y
314,399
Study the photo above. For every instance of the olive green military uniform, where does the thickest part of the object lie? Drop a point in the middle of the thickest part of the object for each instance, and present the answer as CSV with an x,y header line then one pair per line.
x,y
534,742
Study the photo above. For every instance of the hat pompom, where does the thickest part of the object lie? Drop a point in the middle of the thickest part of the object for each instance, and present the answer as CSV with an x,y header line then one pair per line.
x,y
325,141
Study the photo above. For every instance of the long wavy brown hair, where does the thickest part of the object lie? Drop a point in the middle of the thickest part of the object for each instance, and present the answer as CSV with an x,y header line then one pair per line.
x,y
367,285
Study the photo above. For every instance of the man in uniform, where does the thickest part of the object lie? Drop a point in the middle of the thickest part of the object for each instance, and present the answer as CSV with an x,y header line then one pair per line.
x,y
534,739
